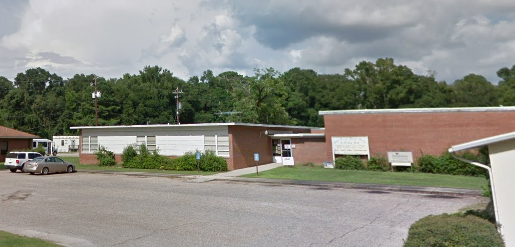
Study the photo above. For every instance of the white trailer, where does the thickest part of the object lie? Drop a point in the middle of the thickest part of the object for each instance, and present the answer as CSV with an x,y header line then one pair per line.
x,y
65,144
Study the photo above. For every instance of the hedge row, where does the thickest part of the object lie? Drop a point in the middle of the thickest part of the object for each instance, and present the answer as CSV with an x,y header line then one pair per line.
x,y
443,164
143,159
453,230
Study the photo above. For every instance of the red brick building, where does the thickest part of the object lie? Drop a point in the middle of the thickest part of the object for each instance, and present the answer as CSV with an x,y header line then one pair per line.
x,y
421,131
11,139
348,132
235,142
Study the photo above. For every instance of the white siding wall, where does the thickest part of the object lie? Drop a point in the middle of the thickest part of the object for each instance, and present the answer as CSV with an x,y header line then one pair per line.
x,y
178,145
116,144
171,141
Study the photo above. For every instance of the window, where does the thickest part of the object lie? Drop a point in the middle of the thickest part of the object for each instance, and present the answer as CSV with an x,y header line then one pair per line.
x,y
217,144
223,145
148,141
89,144
62,143
34,155
21,156
140,140
151,143
3,148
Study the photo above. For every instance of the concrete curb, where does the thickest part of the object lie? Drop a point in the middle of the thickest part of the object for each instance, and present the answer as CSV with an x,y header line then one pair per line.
x,y
369,187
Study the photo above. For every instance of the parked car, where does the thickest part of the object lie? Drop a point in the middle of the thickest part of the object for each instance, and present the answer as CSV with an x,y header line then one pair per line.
x,y
16,160
46,164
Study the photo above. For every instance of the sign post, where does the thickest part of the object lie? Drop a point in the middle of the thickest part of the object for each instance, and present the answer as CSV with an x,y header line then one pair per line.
x,y
198,161
256,159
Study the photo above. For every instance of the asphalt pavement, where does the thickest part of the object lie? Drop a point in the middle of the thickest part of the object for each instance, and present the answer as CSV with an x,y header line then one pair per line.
x,y
234,176
143,209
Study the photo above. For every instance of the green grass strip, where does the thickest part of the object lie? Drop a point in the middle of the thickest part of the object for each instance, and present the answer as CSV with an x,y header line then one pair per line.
x,y
372,177
13,240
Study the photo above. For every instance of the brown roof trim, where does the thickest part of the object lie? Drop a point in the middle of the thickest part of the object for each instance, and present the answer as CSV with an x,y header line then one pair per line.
x,y
8,133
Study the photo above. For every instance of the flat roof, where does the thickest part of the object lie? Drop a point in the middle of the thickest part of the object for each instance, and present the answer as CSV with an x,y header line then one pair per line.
x,y
420,110
482,142
299,135
190,125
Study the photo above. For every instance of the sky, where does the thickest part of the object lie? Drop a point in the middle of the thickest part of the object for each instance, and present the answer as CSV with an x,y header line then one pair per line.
x,y
452,38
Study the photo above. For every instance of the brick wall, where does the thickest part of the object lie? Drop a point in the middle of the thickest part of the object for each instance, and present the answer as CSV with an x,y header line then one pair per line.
x,y
420,133
15,144
310,150
247,140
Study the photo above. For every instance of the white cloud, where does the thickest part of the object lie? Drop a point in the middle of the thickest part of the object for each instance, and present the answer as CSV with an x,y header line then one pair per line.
x,y
110,38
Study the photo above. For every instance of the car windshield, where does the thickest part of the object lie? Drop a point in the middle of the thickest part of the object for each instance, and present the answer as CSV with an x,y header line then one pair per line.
x,y
38,158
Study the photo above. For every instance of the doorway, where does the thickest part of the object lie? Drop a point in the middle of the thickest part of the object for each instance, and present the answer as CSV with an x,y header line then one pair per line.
x,y
281,150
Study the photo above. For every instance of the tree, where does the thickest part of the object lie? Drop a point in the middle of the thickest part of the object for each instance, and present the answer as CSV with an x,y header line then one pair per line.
x,y
474,90
260,98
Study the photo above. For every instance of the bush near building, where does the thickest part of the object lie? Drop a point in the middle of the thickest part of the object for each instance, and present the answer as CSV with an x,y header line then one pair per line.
x,y
453,231
443,164
143,159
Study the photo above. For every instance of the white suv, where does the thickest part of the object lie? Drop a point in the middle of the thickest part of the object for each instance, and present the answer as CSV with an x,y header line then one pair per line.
x,y
15,160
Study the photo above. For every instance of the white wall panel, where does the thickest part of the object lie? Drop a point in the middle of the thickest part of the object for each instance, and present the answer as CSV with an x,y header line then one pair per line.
x,y
178,145
116,144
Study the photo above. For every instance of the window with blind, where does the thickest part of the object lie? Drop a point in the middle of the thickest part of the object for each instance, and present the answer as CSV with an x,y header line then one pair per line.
x,y
89,144
218,144
148,141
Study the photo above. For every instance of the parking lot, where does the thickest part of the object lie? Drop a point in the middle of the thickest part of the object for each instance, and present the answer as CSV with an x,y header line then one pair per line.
x,y
82,209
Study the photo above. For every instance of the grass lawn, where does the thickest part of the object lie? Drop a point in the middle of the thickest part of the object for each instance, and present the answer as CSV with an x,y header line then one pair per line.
x,y
119,168
8,240
369,177
2,165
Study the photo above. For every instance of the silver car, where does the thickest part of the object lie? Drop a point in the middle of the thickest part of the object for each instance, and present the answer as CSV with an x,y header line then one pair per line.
x,y
45,165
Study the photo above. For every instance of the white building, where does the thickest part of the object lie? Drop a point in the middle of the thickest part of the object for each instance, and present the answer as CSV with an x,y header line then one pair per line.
x,y
65,144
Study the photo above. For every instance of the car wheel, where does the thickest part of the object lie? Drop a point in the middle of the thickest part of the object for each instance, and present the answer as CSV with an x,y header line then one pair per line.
x,y
44,171
31,173
70,169
12,170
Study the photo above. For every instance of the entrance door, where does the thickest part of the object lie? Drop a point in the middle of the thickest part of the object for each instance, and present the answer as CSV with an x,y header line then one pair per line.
x,y
281,150
286,154
276,150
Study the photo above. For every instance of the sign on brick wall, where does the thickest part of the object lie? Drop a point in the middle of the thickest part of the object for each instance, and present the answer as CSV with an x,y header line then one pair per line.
x,y
354,145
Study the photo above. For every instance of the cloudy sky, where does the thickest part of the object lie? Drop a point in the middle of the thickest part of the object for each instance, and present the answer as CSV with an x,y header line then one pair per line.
x,y
111,38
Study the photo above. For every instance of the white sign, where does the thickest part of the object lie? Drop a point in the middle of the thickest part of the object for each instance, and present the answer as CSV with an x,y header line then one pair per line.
x,y
288,161
289,146
400,157
357,145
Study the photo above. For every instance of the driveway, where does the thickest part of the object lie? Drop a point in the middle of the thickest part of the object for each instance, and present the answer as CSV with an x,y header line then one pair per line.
x,y
84,209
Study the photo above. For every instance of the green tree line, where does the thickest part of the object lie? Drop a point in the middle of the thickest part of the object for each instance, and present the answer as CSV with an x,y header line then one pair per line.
x,y
45,104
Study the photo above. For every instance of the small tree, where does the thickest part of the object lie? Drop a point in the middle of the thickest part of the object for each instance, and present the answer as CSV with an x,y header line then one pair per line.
x,y
105,157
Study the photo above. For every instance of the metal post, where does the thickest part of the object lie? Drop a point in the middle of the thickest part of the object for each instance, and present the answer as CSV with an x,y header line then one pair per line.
x,y
96,101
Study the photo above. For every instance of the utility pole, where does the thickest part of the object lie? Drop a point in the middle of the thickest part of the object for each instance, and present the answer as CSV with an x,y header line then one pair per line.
x,y
96,95
96,101
177,92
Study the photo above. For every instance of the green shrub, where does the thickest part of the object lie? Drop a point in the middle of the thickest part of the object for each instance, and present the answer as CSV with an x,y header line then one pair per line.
x,y
453,166
129,154
105,157
428,164
211,163
187,162
488,213
378,164
349,163
453,230
447,164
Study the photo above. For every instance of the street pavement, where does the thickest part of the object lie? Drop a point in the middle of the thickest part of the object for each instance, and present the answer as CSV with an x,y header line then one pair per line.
x,y
142,209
